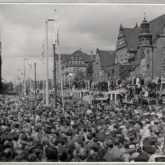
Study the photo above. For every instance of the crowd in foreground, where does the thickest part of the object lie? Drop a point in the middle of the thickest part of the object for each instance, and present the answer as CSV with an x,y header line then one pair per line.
x,y
29,131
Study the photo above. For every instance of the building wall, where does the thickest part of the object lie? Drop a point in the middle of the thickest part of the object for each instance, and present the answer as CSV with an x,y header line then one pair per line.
x,y
159,57
113,72
121,55
145,68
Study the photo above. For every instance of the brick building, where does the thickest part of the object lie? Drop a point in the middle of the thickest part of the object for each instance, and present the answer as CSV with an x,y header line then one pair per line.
x,y
142,48
73,63
104,59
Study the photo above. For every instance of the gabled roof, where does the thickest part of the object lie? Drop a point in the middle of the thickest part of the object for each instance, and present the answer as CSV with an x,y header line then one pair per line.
x,y
156,25
131,34
131,37
107,57
85,57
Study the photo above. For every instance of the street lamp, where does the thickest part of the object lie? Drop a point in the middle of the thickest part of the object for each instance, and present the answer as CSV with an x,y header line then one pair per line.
x,y
25,76
47,89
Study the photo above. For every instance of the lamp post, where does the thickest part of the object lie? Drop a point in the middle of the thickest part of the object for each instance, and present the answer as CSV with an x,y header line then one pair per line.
x,y
30,65
35,82
24,77
47,88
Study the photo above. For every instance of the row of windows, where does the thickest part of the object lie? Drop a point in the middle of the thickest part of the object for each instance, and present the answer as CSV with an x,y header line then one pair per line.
x,y
74,69
74,62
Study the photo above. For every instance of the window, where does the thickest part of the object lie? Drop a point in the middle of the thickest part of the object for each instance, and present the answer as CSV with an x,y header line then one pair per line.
x,y
148,66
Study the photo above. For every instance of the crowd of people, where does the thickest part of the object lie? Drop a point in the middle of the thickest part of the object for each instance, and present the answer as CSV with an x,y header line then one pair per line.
x,y
30,131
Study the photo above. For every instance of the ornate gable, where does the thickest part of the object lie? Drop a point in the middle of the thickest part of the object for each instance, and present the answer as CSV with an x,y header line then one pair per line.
x,y
121,40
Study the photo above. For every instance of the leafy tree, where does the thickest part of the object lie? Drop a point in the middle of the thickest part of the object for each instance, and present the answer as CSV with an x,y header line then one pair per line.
x,y
89,73
8,87
79,80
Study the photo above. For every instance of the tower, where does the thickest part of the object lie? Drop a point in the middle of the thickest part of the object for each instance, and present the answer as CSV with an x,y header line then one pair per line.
x,y
146,47
145,37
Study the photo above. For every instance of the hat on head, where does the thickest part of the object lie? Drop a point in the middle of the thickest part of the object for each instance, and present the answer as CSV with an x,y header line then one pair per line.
x,y
149,149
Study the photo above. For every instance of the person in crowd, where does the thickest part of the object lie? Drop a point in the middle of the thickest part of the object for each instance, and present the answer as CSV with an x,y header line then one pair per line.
x,y
30,131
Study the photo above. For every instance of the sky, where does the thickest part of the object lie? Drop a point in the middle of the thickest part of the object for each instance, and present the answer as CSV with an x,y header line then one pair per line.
x,y
81,26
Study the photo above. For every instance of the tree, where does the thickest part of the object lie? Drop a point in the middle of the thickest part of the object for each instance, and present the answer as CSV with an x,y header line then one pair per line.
x,y
8,87
79,80
89,73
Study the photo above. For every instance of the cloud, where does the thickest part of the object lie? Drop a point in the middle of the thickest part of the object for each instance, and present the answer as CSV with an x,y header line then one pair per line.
x,y
81,26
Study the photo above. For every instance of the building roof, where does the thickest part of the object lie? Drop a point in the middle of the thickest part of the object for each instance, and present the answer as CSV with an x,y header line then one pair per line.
x,y
85,57
107,57
63,56
156,25
131,34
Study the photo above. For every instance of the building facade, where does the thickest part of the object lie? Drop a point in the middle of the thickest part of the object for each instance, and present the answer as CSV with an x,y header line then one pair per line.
x,y
143,48
103,60
72,64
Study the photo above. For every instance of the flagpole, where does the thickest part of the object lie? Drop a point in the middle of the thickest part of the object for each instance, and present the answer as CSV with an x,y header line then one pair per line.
x,y
24,77
30,65
47,85
30,78
43,83
62,93
60,68
47,92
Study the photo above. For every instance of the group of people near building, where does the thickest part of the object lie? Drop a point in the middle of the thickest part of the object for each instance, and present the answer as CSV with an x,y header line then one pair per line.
x,y
98,133
30,131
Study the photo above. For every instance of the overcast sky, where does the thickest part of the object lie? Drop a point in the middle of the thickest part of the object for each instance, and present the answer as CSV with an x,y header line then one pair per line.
x,y
84,27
